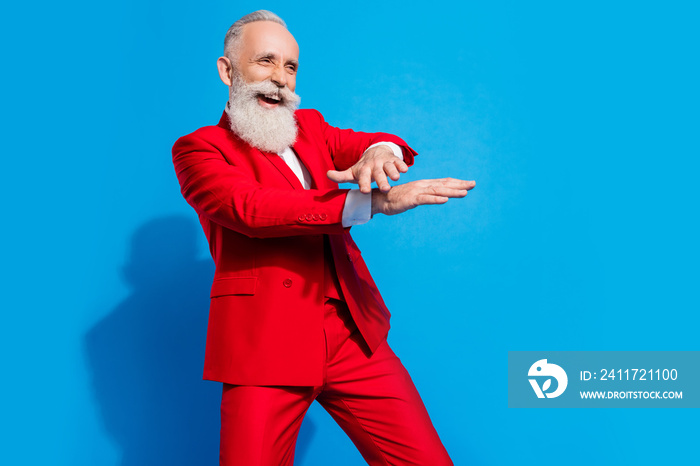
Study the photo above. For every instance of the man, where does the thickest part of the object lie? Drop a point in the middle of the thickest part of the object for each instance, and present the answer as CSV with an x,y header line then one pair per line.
x,y
295,315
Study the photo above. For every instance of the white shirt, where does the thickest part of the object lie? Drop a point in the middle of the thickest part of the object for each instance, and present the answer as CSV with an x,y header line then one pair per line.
x,y
358,206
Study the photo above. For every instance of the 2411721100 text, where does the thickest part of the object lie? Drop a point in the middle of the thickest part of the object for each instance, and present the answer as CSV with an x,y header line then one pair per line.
x,y
631,374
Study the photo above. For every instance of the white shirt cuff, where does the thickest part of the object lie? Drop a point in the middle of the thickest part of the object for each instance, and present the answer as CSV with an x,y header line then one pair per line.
x,y
394,147
357,209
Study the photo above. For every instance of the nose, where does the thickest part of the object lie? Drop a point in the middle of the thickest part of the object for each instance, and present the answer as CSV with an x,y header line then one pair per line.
x,y
279,76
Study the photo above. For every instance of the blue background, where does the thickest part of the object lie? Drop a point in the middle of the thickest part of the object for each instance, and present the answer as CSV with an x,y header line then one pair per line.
x,y
579,122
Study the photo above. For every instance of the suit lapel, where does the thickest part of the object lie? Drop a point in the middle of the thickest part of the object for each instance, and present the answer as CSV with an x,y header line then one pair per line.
x,y
309,155
284,169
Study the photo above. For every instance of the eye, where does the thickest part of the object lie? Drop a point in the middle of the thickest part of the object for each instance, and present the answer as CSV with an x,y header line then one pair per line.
x,y
292,68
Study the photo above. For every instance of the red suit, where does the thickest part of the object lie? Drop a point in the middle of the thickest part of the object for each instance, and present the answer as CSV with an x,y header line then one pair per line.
x,y
270,324
265,233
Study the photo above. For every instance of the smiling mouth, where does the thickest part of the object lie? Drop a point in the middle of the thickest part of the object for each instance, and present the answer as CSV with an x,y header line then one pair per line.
x,y
268,100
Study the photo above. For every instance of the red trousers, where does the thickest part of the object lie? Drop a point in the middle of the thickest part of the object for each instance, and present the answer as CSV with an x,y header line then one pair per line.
x,y
372,399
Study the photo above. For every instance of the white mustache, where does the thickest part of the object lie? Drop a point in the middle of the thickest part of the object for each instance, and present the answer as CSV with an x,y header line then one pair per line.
x,y
271,90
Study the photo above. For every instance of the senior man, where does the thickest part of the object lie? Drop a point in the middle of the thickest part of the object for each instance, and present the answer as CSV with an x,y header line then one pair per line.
x,y
295,315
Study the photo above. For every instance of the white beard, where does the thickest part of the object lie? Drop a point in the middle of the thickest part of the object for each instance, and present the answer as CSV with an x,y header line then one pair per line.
x,y
268,129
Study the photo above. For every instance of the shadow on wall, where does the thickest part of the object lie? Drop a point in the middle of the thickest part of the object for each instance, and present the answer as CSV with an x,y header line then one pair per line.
x,y
146,357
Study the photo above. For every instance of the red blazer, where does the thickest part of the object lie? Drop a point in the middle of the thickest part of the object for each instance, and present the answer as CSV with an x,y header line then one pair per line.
x,y
265,234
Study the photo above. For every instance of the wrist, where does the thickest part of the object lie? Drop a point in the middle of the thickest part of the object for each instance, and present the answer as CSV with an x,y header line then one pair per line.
x,y
378,200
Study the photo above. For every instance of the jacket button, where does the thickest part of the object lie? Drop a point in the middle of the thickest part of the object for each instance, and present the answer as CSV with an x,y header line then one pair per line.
x,y
316,217
323,216
301,217
287,282
309,217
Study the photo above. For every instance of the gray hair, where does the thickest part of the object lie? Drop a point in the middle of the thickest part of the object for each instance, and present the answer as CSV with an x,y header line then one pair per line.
x,y
234,32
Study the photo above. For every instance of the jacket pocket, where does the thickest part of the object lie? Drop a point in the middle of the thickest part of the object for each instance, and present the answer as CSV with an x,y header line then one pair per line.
x,y
233,286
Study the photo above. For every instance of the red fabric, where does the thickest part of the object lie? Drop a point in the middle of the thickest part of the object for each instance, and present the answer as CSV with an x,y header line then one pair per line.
x,y
372,398
331,285
265,234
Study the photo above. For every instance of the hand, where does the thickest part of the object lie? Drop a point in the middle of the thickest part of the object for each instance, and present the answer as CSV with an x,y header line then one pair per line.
x,y
375,164
403,197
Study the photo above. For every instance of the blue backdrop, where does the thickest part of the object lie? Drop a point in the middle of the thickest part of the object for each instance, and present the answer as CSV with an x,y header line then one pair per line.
x,y
579,122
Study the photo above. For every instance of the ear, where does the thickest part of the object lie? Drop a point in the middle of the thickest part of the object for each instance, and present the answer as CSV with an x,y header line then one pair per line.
x,y
225,69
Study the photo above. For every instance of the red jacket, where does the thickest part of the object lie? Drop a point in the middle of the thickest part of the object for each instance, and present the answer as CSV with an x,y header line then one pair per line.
x,y
265,234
